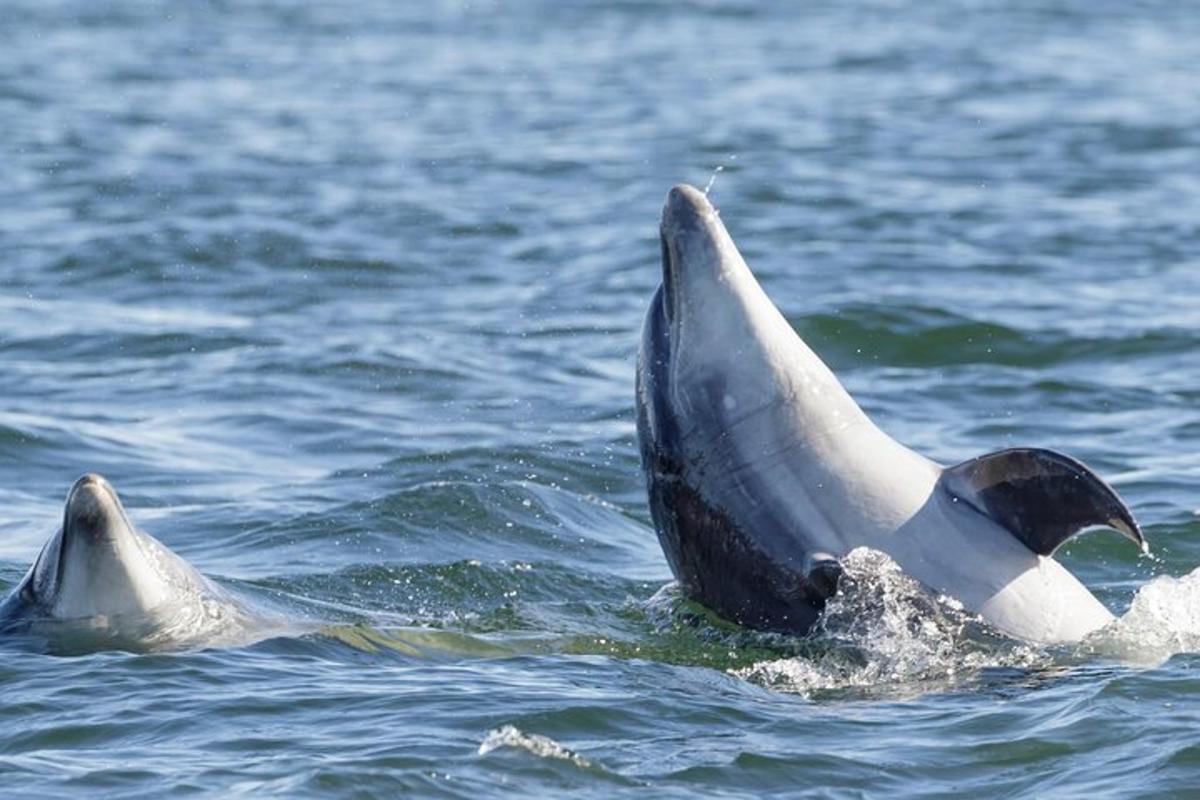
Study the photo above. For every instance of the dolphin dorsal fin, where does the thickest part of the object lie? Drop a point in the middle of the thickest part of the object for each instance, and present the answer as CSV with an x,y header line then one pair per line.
x,y
1042,497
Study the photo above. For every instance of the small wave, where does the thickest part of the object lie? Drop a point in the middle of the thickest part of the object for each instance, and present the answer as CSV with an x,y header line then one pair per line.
x,y
922,336
542,746
413,642
1162,621
51,316
206,623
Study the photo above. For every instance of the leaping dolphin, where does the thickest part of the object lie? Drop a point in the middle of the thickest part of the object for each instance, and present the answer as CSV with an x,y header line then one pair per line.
x,y
762,471
101,578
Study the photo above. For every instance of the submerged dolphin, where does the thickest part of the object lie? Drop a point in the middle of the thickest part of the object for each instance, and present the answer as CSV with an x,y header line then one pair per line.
x,y
100,578
762,471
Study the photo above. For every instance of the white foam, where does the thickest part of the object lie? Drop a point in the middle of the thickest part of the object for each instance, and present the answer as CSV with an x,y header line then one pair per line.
x,y
542,746
1162,621
885,633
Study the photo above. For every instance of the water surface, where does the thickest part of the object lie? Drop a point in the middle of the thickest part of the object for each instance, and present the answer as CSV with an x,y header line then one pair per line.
x,y
345,301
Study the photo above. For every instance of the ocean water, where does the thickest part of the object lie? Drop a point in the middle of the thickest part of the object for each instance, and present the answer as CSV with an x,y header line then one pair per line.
x,y
344,299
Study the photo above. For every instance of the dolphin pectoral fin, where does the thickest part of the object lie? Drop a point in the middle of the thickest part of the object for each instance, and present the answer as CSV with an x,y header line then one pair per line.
x,y
1042,497
822,574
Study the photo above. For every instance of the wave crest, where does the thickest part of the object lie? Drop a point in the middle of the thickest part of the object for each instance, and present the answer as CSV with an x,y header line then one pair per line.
x,y
1162,621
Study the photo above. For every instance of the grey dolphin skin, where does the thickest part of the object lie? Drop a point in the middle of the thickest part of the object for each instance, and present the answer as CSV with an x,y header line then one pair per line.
x,y
762,472
102,578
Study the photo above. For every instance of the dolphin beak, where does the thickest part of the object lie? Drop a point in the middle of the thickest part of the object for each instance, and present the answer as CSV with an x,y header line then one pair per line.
x,y
93,509
687,216
691,234
686,207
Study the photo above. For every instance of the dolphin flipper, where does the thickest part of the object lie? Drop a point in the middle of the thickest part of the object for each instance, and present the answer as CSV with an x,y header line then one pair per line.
x,y
822,574
1042,497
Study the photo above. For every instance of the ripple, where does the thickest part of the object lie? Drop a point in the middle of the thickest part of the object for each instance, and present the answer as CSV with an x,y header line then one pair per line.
x,y
346,297
933,337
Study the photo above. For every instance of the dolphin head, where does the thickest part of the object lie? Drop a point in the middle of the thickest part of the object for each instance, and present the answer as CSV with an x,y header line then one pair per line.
x,y
100,583
706,285
708,336
697,251
716,351
98,564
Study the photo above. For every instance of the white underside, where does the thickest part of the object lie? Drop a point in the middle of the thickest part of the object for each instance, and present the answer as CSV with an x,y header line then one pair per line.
x,y
121,575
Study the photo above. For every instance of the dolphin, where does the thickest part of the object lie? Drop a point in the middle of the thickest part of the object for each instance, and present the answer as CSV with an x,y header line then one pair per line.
x,y
762,472
102,580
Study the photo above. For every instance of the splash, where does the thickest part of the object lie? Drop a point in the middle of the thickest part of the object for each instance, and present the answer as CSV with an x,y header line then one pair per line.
x,y
1162,621
885,634
713,178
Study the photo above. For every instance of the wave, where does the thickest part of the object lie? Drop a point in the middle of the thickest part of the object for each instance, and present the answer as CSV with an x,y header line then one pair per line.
x,y
919,336
1162,621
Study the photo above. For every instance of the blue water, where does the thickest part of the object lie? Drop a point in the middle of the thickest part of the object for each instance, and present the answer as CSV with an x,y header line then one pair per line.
x,y
344,299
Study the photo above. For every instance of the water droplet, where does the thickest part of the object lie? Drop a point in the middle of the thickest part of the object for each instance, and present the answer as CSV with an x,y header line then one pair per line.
x,y
713,179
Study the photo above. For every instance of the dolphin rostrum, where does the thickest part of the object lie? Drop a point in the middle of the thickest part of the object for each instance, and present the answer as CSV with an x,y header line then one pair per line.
x,y
763,472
